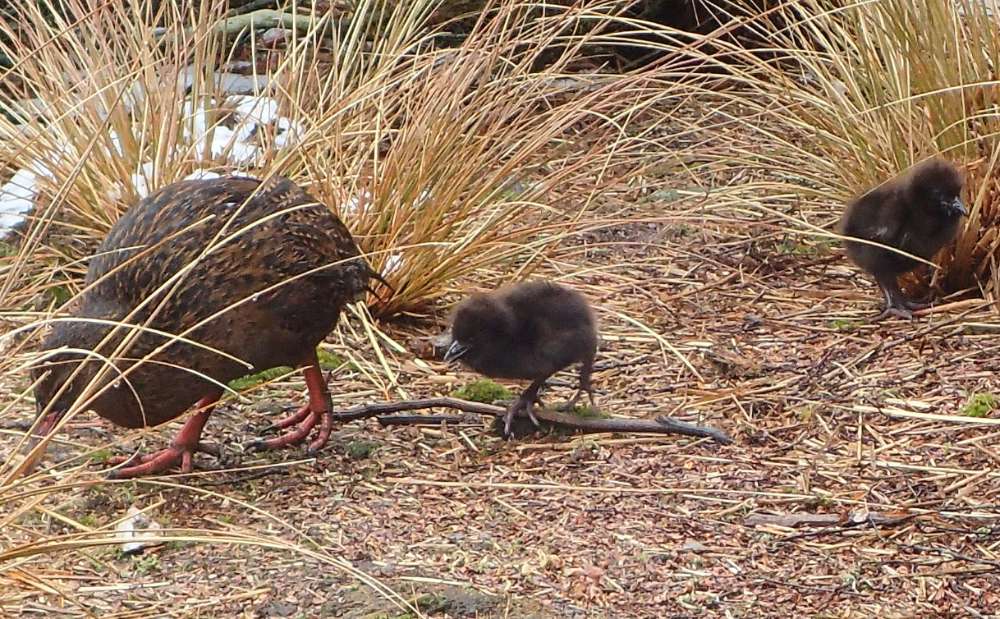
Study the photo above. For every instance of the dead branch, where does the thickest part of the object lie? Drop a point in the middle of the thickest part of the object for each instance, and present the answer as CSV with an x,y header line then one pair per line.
x,y
584,425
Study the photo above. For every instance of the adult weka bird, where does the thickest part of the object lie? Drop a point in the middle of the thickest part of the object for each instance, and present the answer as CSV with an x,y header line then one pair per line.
x,y
917,212
243,270
526,331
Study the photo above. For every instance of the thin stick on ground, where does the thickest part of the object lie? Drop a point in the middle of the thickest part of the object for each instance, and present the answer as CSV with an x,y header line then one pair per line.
x,y
587,425
419,420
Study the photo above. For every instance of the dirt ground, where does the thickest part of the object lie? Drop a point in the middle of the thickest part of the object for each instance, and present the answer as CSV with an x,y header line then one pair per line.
x,y
860,483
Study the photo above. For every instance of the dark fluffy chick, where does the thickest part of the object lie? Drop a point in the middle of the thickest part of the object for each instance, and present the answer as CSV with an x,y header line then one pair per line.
x,y
917,212
526,331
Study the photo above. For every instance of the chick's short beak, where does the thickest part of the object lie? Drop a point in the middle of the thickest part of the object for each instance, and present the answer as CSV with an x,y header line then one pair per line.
x,y
958,207
455,351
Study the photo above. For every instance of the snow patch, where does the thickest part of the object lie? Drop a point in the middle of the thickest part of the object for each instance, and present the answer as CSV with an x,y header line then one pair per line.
x,y
240,144
18,195
202,175
242,153
289,132
195,119
354,204
116,143
255,110
142,179
17,199
392,264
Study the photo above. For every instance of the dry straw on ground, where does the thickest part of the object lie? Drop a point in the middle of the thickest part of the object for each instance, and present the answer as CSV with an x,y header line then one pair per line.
x,y
689,208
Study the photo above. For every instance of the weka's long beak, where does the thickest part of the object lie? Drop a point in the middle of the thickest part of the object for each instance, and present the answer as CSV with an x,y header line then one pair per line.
x,y
959,207
47,425
455,351
378,277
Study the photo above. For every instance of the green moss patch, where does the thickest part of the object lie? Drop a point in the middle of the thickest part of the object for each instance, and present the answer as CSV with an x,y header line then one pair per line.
x,y
327,361
252,380
588,412
483,390
979,405
100,456
360,450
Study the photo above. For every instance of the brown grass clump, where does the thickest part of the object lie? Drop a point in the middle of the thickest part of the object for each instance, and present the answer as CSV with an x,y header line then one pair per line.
x,y
849,95
441,160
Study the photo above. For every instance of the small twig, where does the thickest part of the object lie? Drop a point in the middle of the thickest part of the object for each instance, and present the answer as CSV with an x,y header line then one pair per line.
x,y
262,19
419,420
954,556
660,425
973,304
267,18
366,411
253,5
841,520
22,425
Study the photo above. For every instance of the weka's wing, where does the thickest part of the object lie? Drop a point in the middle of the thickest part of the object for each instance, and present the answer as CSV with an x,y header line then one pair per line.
x,y
315,239
259,236
876,216
161,233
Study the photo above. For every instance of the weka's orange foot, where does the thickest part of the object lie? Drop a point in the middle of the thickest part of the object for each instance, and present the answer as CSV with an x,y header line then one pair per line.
x,y
159,462
286,422
305,419
317,411
181,451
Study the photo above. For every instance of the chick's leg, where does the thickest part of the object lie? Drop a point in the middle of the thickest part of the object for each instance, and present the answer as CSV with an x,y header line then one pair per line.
x,y
586,370
896,303
181,450
319,410
523,403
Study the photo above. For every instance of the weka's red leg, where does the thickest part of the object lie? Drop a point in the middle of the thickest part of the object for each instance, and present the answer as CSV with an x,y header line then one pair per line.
x,y
318,410
185,444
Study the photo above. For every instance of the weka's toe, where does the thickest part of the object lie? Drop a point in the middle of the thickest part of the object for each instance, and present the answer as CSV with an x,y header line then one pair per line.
x,y
139,465
291,420
181,451
570,405
305,420
317,411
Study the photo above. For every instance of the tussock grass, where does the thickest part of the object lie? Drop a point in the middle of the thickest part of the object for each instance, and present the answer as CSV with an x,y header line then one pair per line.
x,y
850,94
486,154
441,160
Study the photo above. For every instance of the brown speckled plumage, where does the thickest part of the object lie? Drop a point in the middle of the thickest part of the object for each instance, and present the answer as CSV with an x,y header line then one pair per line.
x,y
285,260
